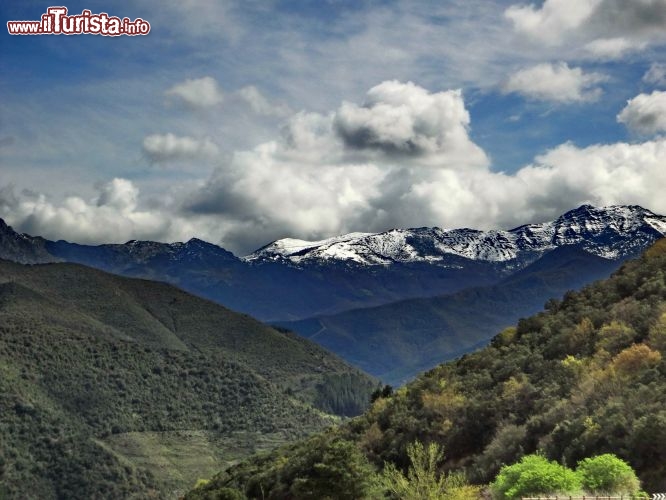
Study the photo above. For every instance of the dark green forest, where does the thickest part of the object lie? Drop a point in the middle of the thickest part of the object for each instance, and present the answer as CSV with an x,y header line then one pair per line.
x,y
101,376
585,377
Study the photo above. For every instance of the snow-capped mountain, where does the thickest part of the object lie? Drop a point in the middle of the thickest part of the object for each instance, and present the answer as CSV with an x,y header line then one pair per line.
x,y
611,232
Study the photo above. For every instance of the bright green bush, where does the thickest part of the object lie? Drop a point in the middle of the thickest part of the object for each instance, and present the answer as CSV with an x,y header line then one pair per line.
x,y
534,475
607,474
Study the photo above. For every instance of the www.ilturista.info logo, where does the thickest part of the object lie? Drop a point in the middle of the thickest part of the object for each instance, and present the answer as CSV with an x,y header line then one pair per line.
x,y
56,22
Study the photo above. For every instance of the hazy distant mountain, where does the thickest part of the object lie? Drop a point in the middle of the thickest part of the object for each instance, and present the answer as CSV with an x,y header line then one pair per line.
x,y
399,340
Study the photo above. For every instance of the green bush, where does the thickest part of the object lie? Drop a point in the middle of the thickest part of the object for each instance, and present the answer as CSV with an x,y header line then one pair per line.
x,y
534,475
607,474
338,471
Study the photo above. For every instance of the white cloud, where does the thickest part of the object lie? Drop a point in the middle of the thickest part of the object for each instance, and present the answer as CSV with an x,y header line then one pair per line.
x,y
555,82
112,216
605,28
406,120
559,180
645,114
198,92
601,174
313,182
553,19
656,75
169,147
260,104
345,170
261,198
120,194
613,48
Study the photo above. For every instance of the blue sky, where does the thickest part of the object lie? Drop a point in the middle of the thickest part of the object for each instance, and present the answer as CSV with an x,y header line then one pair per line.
x,y
240,122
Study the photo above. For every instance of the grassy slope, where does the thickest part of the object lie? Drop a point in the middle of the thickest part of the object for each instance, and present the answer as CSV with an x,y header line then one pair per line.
x,y
112,376
585,377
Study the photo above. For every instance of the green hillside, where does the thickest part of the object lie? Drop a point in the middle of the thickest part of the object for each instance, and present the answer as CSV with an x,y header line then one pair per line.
x,y
114,388
585,377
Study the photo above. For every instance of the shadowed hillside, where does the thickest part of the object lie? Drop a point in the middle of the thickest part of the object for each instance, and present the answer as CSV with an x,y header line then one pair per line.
x,y
112,376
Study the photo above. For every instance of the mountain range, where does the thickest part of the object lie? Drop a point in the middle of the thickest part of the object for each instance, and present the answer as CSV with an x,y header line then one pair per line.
x,y
393,303
117,374
612,232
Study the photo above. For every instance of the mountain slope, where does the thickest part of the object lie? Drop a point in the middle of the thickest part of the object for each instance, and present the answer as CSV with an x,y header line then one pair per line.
x,y
22,248
100,365
396,341
585,377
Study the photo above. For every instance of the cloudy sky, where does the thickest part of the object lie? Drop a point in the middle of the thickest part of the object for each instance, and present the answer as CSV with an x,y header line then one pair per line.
x,y
240,122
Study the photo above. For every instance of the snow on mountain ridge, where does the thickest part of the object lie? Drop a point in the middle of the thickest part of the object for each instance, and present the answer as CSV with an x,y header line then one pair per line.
x,y
611,232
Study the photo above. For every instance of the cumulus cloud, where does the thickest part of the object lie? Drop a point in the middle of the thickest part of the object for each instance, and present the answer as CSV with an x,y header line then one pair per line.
x,y
606,28
197,92
120,194
260,104
352,168
601,174
559,180
645,114
314,182
405,119
555,82
169,147
111,216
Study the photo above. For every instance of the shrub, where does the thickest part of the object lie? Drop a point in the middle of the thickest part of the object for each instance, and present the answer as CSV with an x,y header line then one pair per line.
x,y
423,482
607,474
534,475
337,471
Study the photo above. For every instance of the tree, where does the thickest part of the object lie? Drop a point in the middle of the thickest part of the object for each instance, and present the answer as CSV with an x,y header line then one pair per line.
x,y
615,336
423,482
381,392
607,474
635,359
338,471
534,475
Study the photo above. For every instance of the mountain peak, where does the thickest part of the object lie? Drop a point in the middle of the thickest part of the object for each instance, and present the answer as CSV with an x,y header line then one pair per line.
x,y
21,247
613,232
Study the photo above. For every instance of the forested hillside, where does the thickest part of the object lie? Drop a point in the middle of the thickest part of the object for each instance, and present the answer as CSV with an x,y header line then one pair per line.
x,y
114,388
396,342
587,376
